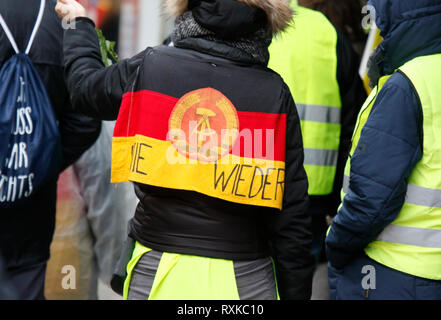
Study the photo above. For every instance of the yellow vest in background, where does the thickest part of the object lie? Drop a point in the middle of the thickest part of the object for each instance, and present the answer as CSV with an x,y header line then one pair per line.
x,y
305,55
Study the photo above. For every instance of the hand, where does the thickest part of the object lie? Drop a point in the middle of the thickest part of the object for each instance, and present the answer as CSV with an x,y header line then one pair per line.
x,y
69,10
329,220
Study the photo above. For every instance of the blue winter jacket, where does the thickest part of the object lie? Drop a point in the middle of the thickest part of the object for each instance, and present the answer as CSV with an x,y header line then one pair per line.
x,y
391,141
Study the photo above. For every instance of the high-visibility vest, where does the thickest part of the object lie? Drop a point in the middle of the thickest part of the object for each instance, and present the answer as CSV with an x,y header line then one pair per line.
x,y
305,55
412,242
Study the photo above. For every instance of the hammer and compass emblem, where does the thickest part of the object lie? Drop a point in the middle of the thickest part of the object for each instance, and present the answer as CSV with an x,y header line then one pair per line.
x,y
204,116
203,128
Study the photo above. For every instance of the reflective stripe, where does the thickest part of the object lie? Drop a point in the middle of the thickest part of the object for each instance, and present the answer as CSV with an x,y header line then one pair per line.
x,y
423,196
429,238
346,184
255,279
316,113
320,157
415,194
143,275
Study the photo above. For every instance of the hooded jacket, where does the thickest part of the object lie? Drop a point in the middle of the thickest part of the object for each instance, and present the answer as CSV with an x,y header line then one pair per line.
x,y
26,232
392,139
190,222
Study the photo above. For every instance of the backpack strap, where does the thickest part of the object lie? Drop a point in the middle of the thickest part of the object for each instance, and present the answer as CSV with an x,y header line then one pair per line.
x,y
36,26
8,34
34,31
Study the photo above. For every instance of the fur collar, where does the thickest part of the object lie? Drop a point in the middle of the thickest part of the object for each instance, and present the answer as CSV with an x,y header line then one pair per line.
x,y
278,12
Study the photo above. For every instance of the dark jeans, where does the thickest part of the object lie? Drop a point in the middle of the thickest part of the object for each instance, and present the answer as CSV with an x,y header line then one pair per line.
x,y
349,283
28,282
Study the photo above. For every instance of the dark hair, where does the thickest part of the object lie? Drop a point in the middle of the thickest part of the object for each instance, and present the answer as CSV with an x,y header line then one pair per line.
x,y
345,15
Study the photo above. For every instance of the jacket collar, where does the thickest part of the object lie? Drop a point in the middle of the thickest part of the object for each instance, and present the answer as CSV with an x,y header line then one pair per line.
x,y
219,50
251,48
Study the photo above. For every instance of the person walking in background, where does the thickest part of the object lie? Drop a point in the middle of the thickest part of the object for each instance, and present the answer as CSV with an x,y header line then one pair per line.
x,y
321,69
385,242
200,233
26,230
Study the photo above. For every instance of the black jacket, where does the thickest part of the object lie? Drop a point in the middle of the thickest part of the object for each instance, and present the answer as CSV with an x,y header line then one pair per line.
x,y
26,232
188,222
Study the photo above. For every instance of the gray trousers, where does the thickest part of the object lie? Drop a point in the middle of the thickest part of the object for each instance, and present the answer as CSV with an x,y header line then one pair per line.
x,y
254,278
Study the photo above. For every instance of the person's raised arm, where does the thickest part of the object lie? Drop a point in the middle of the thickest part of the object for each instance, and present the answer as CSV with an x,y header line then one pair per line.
x,y
94,89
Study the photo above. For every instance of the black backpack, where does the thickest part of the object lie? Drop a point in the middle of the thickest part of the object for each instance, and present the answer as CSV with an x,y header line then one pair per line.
x,y
30,152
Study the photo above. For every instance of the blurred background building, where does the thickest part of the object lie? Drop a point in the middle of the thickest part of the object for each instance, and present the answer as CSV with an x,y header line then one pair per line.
x,y
133,24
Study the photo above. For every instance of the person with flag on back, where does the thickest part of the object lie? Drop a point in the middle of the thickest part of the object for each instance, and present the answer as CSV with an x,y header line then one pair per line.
x,y
211,138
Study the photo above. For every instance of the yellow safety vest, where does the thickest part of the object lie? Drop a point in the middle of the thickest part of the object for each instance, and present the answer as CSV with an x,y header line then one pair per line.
x,y
412,242
305,55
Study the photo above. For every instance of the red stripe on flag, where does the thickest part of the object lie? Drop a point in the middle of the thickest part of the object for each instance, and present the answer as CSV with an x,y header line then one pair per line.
x,y
149,113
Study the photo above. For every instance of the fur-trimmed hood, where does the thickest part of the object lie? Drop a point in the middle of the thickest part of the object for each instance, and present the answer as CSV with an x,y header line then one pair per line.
x,y
278,12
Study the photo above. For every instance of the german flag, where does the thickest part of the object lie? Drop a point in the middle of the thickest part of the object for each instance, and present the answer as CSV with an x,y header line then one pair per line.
x,y
200,143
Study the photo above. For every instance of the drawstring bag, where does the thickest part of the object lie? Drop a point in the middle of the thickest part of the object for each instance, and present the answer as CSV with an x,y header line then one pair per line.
x,y
30,151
